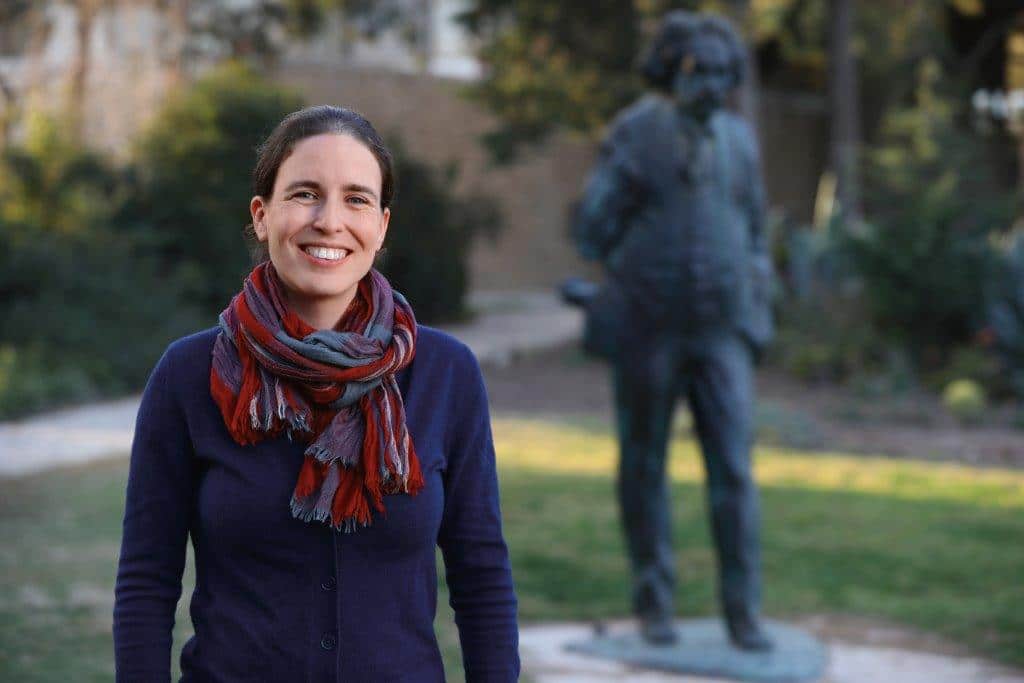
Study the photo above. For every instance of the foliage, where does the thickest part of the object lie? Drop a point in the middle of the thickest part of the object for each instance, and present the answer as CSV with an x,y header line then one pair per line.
x,y
924,258
975,362
194,166
827,340
430,236
965,399
134,256
1006,310
83,312
553,63
824,333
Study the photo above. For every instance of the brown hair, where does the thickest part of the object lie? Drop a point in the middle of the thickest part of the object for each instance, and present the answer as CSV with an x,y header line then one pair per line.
x,y
306,123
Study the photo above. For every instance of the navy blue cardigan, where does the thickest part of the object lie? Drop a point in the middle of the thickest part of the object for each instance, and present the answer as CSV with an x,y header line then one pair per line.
x,y
278,599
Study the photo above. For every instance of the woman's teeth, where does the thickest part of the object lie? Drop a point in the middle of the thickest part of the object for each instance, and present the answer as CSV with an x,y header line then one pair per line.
x,y
325,253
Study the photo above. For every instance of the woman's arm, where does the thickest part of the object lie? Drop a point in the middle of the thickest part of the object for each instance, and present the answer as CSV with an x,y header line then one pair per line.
x,y
475,555
156,520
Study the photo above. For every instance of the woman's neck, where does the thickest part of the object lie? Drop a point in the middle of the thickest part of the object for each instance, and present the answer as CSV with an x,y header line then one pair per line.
x,y
321,314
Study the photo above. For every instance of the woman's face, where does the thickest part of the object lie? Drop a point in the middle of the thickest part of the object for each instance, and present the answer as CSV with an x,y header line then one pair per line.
x,y
323,224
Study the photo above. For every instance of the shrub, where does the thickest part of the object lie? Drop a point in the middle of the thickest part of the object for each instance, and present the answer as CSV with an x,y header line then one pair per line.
x,y
194,167
1006,311
430,237
965,399
924,256
83,312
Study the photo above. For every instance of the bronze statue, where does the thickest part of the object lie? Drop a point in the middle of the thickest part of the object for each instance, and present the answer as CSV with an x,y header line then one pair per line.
x,y
674,209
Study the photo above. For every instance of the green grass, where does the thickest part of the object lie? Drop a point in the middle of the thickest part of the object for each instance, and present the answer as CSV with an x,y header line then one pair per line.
x,y
934,546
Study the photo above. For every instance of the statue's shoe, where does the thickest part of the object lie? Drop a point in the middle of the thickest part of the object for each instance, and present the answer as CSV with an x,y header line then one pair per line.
x,y
658,630
747,633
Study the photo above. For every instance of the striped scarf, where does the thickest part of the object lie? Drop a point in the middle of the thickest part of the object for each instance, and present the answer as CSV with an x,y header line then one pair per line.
x,y
335,389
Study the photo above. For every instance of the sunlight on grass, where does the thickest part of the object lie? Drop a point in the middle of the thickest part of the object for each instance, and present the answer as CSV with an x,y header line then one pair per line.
x,y
933,546
566,448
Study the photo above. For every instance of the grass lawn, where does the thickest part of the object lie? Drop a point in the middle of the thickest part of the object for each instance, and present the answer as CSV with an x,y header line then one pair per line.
x,y
937,547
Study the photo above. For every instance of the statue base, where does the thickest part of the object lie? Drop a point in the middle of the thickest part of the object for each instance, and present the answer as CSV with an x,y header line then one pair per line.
x,y
703,649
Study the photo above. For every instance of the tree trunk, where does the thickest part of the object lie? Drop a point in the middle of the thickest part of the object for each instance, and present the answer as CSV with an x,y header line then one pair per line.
x,y
87,10
844,102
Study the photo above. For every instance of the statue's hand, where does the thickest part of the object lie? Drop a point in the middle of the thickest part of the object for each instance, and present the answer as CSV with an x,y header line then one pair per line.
x,y
578,292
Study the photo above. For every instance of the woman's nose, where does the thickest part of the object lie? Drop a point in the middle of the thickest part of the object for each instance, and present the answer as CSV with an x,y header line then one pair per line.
x,y
332,216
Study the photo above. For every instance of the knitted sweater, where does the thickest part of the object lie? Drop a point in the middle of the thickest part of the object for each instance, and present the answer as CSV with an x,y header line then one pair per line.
x,y
278,599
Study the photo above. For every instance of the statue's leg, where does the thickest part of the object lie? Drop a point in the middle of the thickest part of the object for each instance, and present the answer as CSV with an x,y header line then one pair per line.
x,y
644,397
721,394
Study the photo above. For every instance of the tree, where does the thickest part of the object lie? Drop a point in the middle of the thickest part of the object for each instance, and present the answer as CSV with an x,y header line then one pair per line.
x,y
553,65
845,112
194,165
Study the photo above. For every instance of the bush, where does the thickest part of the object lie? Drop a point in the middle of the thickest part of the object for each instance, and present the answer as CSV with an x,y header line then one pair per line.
x,y
1006,311
29,382
194,169
194,184
83,311
924,256
430,237
101,266
965,399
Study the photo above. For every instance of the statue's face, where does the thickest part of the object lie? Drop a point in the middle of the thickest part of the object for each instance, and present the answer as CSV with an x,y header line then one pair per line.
x,y
704,77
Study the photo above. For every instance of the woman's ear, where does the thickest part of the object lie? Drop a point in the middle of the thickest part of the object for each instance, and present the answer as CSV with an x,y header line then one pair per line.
x,y
258,211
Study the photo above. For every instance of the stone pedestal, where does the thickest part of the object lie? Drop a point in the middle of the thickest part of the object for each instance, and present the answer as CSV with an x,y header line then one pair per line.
x,y
703,649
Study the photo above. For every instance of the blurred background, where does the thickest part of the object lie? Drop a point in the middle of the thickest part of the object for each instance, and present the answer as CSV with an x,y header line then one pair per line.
x,y
891,418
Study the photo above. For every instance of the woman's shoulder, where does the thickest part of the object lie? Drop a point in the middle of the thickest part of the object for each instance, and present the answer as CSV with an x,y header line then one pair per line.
x,y
192,349
434,345
184,366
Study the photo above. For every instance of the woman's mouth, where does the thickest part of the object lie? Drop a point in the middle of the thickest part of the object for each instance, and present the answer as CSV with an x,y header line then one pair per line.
x,y
325,255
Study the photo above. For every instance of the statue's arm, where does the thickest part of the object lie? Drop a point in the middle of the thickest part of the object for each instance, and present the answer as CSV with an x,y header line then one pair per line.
x,y
611,190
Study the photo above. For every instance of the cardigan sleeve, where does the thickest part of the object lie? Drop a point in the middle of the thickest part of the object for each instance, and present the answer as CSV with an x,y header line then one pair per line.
x,y
476,557
155,530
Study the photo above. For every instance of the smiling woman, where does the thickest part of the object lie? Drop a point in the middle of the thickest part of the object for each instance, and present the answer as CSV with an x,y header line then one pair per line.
x,y
317,446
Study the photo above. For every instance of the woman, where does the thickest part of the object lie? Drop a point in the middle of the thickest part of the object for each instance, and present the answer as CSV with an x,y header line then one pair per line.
x,y
313,461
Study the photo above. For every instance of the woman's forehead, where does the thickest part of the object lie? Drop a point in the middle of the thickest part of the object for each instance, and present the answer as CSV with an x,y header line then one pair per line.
x,y
331,157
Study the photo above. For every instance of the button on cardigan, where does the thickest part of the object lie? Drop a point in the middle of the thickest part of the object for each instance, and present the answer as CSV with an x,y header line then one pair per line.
x,y
279,599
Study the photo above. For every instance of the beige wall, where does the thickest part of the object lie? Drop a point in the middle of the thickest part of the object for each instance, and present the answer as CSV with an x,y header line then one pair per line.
x,y
438,125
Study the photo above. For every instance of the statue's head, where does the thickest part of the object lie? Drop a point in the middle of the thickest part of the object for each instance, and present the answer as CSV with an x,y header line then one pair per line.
x,y
696,58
